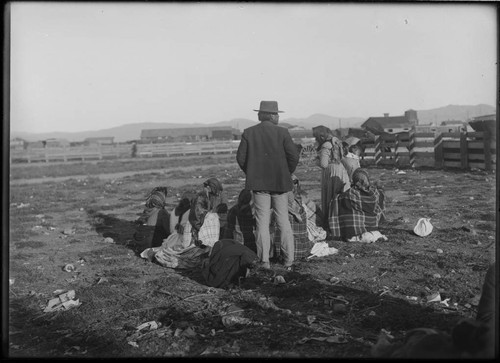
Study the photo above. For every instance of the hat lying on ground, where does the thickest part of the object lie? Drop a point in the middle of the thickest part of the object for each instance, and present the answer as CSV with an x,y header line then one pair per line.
x,y
268,106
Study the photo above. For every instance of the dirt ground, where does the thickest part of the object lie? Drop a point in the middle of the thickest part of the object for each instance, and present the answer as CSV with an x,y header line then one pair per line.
x,y
333,306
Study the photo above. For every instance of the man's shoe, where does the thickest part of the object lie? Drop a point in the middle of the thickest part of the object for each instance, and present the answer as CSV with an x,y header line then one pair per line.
x,y
265,265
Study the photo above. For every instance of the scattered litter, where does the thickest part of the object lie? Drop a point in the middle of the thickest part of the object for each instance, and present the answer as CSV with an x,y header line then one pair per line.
x,y
321,249
436,297
64,301
418,195
23,205
401,172
439,250
279,280
471,198
11,282
334,280
436,276
234,348
330,339
445,302
81,261
152,325
39,216
81,209
412,298
231,320
209,350
109,240
369,237
423,227
134,344
69,231
372,313
189,332
101,280
69,268
311,319
58,291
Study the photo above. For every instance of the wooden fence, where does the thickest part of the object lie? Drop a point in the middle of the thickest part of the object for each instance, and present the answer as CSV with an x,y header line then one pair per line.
x,y
118,151
465,151
392,149
421,148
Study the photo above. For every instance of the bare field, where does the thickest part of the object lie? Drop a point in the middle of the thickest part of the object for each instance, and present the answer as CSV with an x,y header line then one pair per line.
x,y
383,285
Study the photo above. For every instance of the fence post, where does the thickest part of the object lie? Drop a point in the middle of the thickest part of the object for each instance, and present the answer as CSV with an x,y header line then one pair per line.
x,y
487,150
438,151
464,155
377,155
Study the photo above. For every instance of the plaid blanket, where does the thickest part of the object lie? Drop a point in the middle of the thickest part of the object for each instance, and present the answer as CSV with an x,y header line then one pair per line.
x,y
300,237
354,212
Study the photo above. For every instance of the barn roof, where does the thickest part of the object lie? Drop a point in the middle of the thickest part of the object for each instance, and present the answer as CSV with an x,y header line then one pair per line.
x,y
388,122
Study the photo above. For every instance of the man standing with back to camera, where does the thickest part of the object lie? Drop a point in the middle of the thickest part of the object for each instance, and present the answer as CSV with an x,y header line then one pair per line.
x,y
268,157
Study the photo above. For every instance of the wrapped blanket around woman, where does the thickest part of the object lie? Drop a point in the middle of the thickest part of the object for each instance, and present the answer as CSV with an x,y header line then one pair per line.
x,y
241,222
154,222
303,221
186,249
358,210
228,262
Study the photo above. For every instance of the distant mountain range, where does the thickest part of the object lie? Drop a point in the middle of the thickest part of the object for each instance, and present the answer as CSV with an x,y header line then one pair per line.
x,y
133,131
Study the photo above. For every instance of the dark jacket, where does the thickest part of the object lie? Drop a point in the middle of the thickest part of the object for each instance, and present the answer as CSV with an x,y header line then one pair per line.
x,y
268,157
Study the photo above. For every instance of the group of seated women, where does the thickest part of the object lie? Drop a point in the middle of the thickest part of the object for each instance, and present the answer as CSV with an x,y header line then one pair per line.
x,y
179,238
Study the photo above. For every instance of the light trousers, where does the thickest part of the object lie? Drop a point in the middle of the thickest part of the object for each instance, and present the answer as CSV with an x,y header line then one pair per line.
x,y
264,204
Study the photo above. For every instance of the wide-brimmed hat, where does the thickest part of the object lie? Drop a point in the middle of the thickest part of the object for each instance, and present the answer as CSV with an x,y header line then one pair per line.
x,y
268,106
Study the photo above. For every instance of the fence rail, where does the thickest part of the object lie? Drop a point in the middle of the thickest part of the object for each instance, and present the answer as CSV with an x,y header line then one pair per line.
x,y
421,148
418,148
119,151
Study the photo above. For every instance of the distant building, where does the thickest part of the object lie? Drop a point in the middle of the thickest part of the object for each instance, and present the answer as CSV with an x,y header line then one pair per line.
x,y
190,134
18,144
452,122
56,143
486,123
391,124
104,140
443,129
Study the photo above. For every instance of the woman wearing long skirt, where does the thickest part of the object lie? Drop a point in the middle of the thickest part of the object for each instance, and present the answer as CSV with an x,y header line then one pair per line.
x,y
334,177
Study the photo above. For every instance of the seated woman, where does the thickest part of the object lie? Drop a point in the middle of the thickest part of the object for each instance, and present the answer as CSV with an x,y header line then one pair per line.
x,y
303,237
179,215
186,249
357,211
352,152
218,200
154,221
241,222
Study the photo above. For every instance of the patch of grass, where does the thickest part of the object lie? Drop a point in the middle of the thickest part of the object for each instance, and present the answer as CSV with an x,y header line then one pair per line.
x,y
29,244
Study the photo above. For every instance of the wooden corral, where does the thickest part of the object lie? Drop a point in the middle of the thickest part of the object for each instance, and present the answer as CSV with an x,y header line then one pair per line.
x,y
465,151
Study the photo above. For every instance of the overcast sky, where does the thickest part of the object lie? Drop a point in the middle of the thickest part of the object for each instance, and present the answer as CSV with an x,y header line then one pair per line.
x,y
92,66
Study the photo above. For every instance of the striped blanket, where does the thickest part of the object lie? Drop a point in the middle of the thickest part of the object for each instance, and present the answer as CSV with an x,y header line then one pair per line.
x,y
355,211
